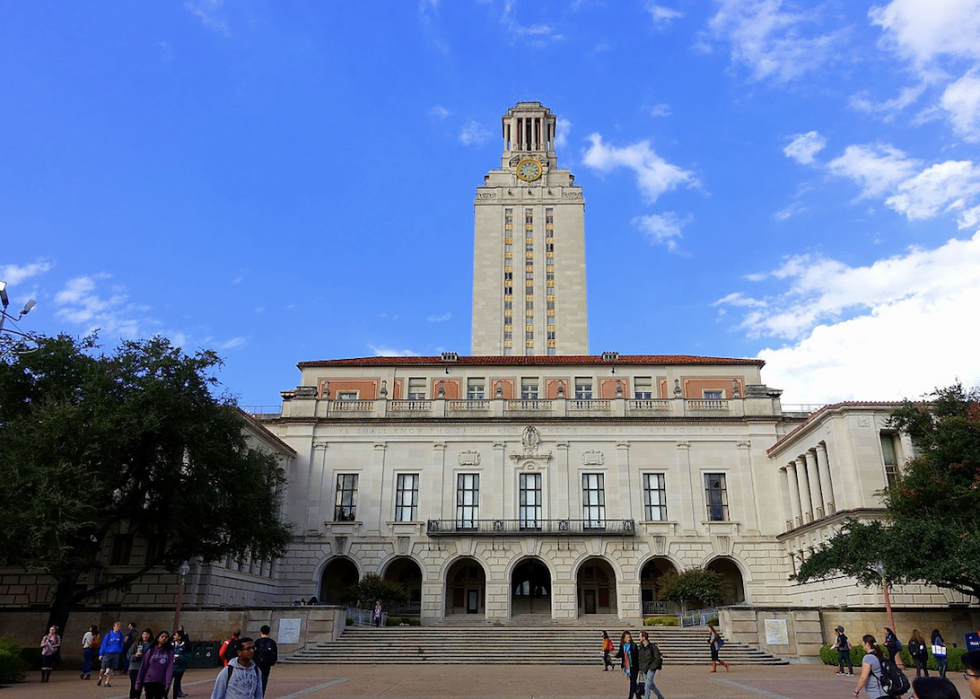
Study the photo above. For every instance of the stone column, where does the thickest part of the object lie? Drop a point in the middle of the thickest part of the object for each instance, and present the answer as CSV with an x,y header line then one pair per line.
x,y
689,516
623,466
384,512
794,493
826,487
441,486
814,478
784,491
561,483
504,507
805,501
314,494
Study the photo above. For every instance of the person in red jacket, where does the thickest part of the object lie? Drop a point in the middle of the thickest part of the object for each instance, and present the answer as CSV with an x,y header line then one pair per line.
x,y
229,649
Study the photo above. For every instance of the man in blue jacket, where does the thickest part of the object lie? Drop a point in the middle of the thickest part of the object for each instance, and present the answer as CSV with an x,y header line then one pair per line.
x,y
110,652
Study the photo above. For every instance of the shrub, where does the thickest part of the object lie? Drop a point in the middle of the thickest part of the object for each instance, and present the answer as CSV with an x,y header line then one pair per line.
x,y
12,666
393,621
349,622
661,621
954,660
713,621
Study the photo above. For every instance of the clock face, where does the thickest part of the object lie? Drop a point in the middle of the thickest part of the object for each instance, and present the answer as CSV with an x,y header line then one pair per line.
x,y
528,170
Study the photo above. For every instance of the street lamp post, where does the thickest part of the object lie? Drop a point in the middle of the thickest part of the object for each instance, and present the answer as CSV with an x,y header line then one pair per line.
x,y
184,570
880,568
4,316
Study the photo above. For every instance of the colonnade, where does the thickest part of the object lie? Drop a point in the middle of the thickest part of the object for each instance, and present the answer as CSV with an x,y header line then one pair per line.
x,y
807,486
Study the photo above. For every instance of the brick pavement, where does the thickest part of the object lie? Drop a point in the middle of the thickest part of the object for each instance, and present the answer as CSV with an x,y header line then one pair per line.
x,y
488,682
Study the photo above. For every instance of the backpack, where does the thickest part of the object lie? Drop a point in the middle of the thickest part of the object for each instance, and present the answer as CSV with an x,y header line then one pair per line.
x,y
721,641
229,649
658,657
266,652
893,681
95,642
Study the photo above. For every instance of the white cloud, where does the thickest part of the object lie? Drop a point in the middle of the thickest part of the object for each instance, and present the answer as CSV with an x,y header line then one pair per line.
x,y
15,274
805,146
938,188
382,351
473,134
662,229
535,34
924,29
660,110
907,96
441,318
769,40
876,167
207,12
233,343
81,303
562,128
970,218
961,100
654,175
439,112
664,15
790,211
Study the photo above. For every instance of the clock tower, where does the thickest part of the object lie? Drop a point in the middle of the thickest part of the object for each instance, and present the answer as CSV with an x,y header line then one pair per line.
x,y
529,249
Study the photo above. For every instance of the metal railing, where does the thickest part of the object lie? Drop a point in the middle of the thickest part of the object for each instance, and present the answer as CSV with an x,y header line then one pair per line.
x,y
365,617
697,617
530,527
655,607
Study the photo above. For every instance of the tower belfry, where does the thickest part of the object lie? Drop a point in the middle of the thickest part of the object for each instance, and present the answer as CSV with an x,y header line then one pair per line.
x,y
529,249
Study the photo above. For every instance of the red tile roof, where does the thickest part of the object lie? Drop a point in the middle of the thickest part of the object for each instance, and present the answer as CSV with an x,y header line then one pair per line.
x,y
890,404
560,360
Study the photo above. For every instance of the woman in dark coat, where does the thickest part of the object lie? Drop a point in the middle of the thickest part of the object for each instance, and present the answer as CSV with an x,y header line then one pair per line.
x,y
629,659
919,653
893,646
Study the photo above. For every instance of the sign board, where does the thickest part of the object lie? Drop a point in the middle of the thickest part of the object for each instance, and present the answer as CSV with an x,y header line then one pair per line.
x,y
289,631
973,641
777,633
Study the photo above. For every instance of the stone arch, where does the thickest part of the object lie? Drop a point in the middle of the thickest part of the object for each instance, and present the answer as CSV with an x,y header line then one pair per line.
x,y
530,583
407,572
337,574
466,586
734,576
651,571
596,585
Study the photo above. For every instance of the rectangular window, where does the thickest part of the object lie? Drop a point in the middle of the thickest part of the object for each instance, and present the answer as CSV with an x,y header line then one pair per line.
x,y
716,496
530,512
713,395
416,389
406,497
346,504
476,389
643,387
890,456
593,500
529,389
583,388
122,550
346,395
654,497
467,500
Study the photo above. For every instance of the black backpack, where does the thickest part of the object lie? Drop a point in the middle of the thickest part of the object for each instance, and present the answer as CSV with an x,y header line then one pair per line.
x,y
266,652
893,681
658,657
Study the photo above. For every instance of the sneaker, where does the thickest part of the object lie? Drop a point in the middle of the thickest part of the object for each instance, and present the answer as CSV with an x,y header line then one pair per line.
x,y
99,683
840,673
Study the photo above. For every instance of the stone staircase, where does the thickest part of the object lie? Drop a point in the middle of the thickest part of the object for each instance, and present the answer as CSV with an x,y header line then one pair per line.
x,y
459,641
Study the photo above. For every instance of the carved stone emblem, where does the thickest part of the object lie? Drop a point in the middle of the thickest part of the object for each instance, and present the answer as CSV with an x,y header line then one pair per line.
x,y
864,421
530,439
593,458
469,458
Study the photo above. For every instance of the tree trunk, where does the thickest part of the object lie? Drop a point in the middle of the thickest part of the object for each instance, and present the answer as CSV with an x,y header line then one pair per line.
x,y
61,604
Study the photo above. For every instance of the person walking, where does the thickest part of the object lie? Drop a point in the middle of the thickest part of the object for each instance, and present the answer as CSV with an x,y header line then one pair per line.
x,y
110,653
843,647
241,679
629,660
715,641
919,653
229,649
182,661
651,660
157,669
971,671
90,647
377,613
607,649
939,652
894,647
266,655
50,643
135,655
871,669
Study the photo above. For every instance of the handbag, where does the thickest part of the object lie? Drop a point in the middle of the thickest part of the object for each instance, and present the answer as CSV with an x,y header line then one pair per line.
x,y
641,677
938,650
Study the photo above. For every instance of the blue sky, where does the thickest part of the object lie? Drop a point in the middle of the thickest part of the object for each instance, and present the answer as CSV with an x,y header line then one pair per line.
x,y
287,181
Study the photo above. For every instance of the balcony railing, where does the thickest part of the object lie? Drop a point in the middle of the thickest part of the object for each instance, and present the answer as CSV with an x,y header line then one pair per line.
x,y
527,527
528,405
589,404
707,404
469,405
410,406
352,406
648,404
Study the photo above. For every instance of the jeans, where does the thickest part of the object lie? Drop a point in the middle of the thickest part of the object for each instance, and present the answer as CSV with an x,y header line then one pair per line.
x,y
178,676
651,686
941,664
264,673
920,666
844,656
88,655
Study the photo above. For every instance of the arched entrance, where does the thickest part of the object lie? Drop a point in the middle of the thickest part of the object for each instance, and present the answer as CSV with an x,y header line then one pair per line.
x,y
466,588
530,588
597,588
407,573
731,580
339,575
650,575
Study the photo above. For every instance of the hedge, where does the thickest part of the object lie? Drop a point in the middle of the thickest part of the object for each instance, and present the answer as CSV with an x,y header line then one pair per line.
x,y
954,659
12,667
661,621
399,620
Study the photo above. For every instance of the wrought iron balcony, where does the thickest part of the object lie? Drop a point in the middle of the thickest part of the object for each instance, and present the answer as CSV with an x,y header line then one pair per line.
x,y
526,527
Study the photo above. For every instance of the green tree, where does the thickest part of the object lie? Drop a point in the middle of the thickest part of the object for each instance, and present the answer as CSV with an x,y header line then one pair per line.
x,y
91,442
929,531
694,585
373,587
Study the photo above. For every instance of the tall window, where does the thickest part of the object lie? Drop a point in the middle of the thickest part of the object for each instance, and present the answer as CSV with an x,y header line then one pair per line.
x,y
530,512
406,497
593,500
890,455
529,389
583,388
416,389
643,387
476,389
716,495
346,505
713,395
467,500
654,497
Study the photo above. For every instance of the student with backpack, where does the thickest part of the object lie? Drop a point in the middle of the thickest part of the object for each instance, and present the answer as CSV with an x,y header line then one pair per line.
x,y
240,679
266,655
651,660
843,647
229,649
880,677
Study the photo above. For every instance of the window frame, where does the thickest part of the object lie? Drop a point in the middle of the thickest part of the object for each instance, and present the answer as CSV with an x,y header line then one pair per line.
x,y
402,493
471,508
338,511
530,509
712,508
649,507
594,500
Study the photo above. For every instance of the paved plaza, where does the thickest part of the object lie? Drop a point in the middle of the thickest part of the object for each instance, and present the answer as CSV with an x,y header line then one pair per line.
x,y
488,682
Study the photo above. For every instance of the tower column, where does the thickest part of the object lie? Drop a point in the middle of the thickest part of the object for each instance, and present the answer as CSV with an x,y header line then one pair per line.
x,y
794,494
826,486
805,501
814,482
